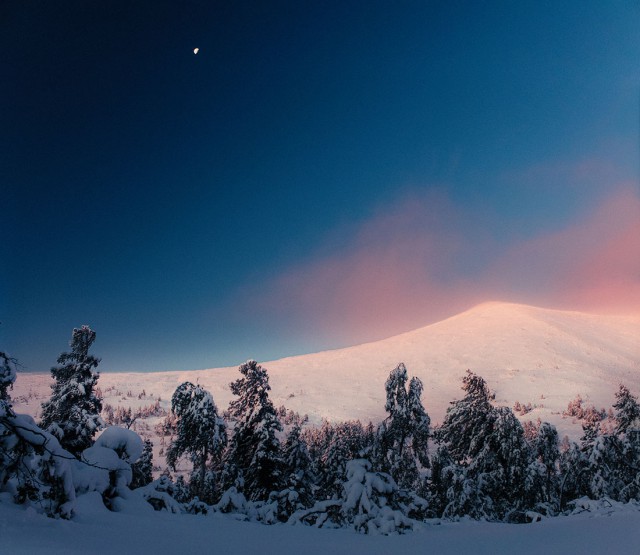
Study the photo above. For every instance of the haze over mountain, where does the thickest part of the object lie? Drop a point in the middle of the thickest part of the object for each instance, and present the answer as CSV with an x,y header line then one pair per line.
x,y
527,354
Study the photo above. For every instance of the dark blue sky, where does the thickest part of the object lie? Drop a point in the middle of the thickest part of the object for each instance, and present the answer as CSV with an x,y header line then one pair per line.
x,y
179,203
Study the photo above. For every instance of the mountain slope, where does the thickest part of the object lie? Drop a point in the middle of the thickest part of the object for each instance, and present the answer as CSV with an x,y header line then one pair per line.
x,y
527,354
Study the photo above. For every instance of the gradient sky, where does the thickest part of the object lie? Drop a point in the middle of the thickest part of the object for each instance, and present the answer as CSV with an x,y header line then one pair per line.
x,y
319,174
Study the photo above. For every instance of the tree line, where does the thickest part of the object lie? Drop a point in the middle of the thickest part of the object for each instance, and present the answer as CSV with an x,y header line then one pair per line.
x,y
481,462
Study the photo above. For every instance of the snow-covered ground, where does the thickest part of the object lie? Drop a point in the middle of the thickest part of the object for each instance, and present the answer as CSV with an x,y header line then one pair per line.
x,y
98,531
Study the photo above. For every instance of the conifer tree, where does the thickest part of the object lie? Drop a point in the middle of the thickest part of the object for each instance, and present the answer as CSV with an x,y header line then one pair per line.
x,y
503,463
337,445
143,468
297,465
543,479
33,466
483,456
181,490
370,501
403,437
72,414
253,462
7,377
574,481
611,459
627,410
627,444
201,433
468,422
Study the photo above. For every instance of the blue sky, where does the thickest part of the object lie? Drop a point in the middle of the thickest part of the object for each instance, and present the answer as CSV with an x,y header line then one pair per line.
x,y
318,174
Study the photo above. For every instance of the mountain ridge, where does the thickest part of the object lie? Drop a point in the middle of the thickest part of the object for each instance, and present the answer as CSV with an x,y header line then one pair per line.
x,y
534,355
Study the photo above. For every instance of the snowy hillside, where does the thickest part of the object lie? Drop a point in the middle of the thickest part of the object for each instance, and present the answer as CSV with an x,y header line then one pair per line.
x,y
530,355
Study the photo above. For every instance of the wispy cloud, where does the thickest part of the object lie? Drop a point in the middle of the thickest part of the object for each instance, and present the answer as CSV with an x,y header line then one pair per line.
x,y
423,258
593,264
396,271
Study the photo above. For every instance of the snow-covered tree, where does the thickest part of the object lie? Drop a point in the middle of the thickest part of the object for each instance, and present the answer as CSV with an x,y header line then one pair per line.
x,y
455,491
201,434
370,502
502,464
106,465
180,491
626,444
331,447
7,433
627,410
543,478
163,495
403,437
481,464
143,467
72,414
628,465
253,462
468,422
297,465
34,468
7,378
574,480
612,458
602,468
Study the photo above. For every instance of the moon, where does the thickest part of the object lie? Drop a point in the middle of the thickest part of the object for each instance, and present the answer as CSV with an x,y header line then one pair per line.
x,y
195,50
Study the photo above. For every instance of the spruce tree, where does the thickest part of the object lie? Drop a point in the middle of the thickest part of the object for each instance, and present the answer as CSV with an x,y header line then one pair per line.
x,y
543,478
7,435
253,461
627,410
33,466
502,464
482,458
201,433
143,468
72,414
627,444
338,444
611,467
574,480
181,490
403,437
7,378
297,465
468,422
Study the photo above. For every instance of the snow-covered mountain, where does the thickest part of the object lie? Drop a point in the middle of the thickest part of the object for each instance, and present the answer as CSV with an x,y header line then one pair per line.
x,y
526,354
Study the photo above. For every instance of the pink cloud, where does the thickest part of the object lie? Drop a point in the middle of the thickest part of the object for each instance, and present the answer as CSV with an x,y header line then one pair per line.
x,y
606,275
423,259
591,265
397,273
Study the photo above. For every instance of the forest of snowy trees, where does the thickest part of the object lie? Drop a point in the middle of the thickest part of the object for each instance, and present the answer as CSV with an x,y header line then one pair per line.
x,y
268,465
